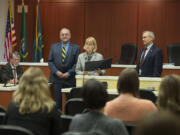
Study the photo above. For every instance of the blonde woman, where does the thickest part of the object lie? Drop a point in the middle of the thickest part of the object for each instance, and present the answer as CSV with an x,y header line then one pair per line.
x,y
32,106
90,55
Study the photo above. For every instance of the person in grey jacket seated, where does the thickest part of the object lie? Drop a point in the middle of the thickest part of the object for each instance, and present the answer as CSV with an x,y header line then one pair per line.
x,y
94,119
90,55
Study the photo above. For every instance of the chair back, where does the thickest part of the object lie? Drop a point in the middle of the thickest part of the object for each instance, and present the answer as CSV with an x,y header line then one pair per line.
x,y
83,133
74,106
2,109
14,130
1,81
76,92
130,127
2,118
173,54
128,54
147,94
66,120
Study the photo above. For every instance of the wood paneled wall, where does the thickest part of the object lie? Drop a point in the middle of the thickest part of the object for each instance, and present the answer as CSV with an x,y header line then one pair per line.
x,y
111,22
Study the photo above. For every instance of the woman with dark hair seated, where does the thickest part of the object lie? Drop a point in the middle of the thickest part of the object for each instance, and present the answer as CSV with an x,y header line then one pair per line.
x,y
95,97
128,107
32,106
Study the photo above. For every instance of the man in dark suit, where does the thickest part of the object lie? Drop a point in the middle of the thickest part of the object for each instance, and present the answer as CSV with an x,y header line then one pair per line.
x,y
11,72
62,62
150,60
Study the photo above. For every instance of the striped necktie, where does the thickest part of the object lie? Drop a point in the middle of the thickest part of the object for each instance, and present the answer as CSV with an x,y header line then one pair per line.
x,y
63,53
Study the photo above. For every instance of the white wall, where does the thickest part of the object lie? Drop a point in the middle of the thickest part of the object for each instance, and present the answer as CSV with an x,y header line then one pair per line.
x,y
3,19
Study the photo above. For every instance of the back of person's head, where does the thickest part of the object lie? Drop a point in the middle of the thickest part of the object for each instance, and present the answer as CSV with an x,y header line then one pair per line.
x,y
169,94
94,94
160,123
128,82
33,92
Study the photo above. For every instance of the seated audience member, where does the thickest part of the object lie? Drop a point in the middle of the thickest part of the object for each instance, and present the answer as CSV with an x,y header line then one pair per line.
x,y
169,94
161,123
90,55
127,106
95,97
32,106
11,72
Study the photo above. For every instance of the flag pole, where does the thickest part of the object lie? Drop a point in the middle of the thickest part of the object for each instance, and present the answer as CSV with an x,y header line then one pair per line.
x,y
36,30
38,41
12,29
23,36
22,2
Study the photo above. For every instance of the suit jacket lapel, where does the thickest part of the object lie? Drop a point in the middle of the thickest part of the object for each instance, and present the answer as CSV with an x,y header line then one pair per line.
x,y
139,59
10,69
59,47
93,57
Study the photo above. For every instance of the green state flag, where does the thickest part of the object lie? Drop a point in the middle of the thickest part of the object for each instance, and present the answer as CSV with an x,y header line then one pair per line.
x,y
23,37
38,40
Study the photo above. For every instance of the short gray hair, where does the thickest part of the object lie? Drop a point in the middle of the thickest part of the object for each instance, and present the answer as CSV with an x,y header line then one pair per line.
x,y
150,33
14,53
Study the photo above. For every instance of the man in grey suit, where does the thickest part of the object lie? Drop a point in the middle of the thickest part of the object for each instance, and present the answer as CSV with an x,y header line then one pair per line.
x,y
150,60
62,62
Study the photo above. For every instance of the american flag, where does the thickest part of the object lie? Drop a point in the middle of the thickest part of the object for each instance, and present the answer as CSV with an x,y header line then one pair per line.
x,y
10,40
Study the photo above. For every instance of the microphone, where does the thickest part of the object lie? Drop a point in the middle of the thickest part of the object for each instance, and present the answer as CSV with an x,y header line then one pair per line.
x,y
5,79
86,59
83,79
5,82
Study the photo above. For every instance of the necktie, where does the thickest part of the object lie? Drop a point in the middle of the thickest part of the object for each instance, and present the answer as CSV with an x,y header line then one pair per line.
x,y
15,75
63,53
142,57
